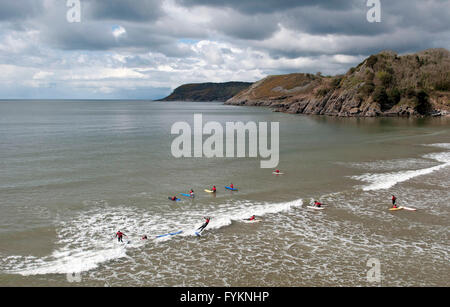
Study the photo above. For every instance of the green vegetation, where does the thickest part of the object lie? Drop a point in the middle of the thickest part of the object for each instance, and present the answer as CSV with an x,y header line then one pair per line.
x,y
385,78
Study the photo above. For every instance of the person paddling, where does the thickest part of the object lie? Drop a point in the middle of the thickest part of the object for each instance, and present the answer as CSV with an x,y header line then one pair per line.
x,y
317,204
207,219
232,186
119,235
252,218
174,198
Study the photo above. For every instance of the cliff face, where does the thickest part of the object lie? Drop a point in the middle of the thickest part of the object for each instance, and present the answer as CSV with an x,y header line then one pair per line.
x,y
383,85
207,91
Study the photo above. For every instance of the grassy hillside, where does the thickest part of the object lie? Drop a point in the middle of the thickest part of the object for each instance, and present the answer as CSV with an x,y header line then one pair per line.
x,y
207,91
382,85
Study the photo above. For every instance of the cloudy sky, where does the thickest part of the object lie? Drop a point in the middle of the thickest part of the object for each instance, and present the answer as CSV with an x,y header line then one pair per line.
x,y
143,49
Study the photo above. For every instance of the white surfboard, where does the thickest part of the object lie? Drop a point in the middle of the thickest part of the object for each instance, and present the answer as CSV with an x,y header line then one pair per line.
x,y
408,209
315,208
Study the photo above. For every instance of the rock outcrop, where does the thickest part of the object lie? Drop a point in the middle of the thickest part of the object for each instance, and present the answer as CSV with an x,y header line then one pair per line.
x,y
383,85
207,91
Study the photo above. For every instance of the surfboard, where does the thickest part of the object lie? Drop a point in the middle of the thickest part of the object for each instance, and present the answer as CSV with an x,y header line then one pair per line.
x,y
315,208
209,191
187,195
253,221
231,189
170,234
275,173
198,234
408,209
396,209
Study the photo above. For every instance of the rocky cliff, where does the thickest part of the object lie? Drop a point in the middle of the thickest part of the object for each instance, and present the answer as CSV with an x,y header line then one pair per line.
x,y
382,85
207,91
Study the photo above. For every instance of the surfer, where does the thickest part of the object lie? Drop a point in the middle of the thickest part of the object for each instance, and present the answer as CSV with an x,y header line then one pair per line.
x,y
317,204
277,171
174,198
144,237
191,192
232,186
214,189
252,218
119,236
394,199
207,219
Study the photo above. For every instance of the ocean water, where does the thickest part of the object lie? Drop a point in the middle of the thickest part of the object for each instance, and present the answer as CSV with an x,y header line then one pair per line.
x,y
73,173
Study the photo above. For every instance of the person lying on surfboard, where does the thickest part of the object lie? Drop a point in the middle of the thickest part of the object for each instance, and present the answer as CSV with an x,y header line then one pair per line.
x,y
317,204
252,218
207,219
232,186
277,171
174,198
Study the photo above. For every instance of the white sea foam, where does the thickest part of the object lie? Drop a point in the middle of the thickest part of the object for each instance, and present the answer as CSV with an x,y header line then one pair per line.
x,y
86,240
382,181
440,145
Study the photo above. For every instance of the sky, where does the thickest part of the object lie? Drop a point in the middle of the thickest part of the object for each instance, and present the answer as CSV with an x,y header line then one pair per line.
x,y
143,49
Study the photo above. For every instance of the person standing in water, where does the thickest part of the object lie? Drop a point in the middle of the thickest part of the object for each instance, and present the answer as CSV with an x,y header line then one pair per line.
x,y
119,235
394,200
214,189
191,192
207,219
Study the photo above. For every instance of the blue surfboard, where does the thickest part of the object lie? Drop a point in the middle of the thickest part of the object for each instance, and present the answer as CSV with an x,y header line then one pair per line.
x,y
187,195
175,199
232,189
170,234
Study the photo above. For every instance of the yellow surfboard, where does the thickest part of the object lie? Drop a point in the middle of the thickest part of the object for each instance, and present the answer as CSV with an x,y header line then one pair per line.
x,y
395,209
209,191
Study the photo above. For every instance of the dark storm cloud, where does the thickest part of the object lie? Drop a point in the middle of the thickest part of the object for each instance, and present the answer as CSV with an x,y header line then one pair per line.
x,y
19,9
129,10
268,6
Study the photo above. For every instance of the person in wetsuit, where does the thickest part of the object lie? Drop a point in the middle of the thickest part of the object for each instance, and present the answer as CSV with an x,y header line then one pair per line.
x,y
394,200
207,219
119,236
317,204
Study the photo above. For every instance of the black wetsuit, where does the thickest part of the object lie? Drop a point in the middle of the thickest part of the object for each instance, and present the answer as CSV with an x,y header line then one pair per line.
x,y
204,225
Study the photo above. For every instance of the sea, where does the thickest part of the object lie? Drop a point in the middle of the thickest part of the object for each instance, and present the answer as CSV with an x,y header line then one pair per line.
x,y
75,172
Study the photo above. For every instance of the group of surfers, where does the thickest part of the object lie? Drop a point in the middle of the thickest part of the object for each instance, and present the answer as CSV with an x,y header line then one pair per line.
x,y
119,235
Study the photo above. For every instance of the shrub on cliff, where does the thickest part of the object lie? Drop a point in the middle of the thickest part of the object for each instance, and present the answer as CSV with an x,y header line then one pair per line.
x,y
423,105
372,60
442,85
385,78
380,96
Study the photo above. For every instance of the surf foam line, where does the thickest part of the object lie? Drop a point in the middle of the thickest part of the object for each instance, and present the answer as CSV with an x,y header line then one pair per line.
x,y
387,180
226,214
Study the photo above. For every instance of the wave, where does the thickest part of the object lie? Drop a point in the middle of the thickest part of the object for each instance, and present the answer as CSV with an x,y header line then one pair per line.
x,y
382,181
86,241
